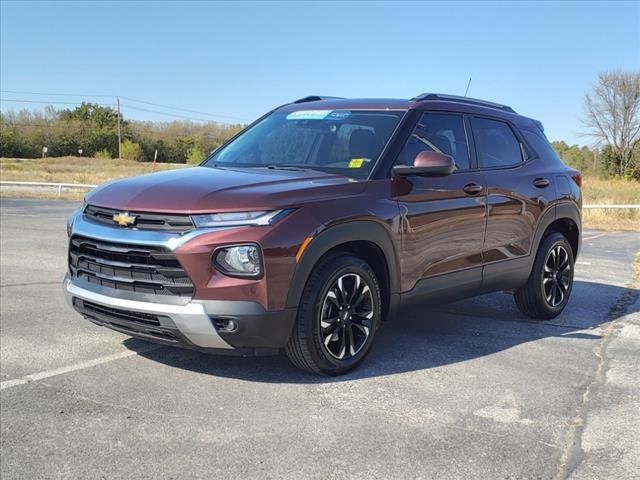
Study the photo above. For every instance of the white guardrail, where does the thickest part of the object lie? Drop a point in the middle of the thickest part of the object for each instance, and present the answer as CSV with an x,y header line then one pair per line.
x,y
61,186
58,186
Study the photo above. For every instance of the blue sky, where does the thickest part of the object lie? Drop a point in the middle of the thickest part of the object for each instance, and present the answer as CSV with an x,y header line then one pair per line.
x,y
241,59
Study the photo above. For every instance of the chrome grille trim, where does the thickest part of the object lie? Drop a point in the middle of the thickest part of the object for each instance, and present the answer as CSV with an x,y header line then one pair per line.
x,y
164,222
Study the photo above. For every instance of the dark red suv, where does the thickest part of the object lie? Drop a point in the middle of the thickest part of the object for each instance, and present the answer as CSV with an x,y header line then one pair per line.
x,y
321,219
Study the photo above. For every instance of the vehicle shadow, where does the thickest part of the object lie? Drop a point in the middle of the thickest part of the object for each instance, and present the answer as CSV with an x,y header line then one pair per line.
x,y
426,337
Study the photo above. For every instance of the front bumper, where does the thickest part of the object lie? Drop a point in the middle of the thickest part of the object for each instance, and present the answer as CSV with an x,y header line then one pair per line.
x,y
190,325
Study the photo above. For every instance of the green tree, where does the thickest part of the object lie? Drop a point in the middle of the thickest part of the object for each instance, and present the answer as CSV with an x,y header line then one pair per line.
x,y
131,150
576,156
10,144
196,155
102,154
95,126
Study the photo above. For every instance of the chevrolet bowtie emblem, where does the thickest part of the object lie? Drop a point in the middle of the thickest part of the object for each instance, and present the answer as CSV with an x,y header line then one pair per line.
x,y
124,219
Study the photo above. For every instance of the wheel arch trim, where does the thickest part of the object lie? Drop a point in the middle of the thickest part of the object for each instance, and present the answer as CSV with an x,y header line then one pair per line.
x,y
560,211
361,230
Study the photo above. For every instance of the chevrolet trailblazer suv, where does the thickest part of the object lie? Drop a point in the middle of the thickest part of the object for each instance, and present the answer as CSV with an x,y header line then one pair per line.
x,y
319,220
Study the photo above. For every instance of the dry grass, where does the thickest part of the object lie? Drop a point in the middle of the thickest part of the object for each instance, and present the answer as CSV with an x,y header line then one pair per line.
x,y
601,219
94,171
610,191
598,191
74,169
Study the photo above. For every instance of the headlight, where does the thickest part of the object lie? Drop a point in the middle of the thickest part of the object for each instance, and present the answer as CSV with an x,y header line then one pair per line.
x,y
239,260
234,219
72,218
70,223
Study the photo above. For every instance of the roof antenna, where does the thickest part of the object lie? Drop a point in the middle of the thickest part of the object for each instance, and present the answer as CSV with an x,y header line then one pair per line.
x,y
468,85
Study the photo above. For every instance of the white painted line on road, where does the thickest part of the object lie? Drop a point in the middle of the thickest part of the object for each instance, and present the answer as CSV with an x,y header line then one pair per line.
x,y
586,239
34,377
583,263
20,215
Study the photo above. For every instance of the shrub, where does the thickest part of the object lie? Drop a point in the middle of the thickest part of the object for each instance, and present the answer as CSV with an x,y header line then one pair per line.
x,y
131,150
102,154
196,155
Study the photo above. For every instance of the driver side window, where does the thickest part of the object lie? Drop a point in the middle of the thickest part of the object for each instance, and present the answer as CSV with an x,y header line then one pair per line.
x,y
438,132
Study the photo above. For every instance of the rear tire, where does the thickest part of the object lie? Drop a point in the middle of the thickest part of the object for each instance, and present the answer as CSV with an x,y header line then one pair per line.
x,y
548,288
338,316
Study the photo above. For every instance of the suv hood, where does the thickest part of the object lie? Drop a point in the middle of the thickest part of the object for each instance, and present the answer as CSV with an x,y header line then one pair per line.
x,y
203,189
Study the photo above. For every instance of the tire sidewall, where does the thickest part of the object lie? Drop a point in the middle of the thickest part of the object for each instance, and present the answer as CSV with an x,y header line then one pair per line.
x,y
336,268
550,242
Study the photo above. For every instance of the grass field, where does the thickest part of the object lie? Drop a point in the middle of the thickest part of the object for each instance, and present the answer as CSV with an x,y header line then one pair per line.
x,y
599,191
95,171
74,169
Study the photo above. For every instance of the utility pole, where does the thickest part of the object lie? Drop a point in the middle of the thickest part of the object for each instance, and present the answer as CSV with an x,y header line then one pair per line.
x,y
119,138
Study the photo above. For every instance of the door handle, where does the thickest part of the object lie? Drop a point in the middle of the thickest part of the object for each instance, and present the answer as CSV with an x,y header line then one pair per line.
x,y
541,182
473,189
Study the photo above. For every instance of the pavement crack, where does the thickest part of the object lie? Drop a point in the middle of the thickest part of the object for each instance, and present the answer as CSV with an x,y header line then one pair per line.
x,y
76,396
507,437
571,447
516,320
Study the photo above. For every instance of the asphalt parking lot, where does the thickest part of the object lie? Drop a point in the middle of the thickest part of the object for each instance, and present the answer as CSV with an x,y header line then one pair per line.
x,y
466,390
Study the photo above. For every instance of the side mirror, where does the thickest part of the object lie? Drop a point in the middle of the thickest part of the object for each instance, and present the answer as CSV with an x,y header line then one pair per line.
x,y
427,164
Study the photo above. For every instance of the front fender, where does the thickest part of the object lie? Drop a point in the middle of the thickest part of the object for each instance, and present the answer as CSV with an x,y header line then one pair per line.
x,y
360,230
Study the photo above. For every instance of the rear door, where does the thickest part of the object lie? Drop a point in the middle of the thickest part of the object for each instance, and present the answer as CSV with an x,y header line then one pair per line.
x,y
516,191
443,218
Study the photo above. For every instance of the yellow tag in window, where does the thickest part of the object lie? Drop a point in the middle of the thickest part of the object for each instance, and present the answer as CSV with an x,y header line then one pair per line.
x,y
356,162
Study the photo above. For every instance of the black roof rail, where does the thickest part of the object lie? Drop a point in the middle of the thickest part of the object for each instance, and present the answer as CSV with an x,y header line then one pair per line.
x,y
457,98
316,98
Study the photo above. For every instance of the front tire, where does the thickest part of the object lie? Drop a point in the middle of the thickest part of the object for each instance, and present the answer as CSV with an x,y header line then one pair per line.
x,y
338,317
547,291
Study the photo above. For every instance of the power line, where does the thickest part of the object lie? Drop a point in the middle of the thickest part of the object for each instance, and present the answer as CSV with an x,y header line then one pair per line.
x,y
16,100
14,124
78,124
184,109
44,125
56,94
164,113
126,98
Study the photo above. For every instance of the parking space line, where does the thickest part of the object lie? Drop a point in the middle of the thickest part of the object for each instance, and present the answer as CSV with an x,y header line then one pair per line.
x,y
586,239
34,377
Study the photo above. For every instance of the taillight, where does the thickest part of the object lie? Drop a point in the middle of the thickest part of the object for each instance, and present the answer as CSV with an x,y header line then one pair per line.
x,y
576,176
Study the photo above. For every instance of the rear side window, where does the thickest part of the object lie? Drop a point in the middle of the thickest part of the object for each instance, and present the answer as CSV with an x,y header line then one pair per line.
x,y
496,144
441,133
541,145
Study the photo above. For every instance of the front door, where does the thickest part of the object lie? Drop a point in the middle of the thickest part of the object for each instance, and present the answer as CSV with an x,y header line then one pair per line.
x,y
442,218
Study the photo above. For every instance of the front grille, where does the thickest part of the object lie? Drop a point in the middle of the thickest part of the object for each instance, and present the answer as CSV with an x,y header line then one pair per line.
x,y
132,268
138,323
144,221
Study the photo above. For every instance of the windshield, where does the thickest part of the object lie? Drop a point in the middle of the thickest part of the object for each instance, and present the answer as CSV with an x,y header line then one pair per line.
x,y
345,142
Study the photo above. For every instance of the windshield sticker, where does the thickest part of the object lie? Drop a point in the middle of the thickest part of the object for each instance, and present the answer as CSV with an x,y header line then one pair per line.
x,y
338,115
308,115
319,115
358,162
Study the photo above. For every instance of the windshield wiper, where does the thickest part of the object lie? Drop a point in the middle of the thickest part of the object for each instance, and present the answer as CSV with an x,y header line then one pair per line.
x,y
286,167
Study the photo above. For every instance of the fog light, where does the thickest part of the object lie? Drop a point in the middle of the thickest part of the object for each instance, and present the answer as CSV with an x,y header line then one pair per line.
x,y
227,325
239,260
